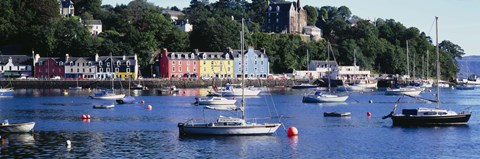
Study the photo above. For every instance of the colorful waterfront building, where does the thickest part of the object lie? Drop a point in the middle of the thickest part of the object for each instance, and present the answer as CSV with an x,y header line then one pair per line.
x,y
179,64
48,67
122,67
216,65
256,63
80,67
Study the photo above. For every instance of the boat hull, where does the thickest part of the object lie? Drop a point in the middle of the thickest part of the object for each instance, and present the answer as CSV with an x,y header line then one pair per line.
x,y
212,101
336,114
206,129
6,92
430,120
324,99
17,127
109,97
304,86
411,92
126,100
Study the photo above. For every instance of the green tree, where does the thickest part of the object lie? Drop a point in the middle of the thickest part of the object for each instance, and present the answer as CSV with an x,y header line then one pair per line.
x,y
312,15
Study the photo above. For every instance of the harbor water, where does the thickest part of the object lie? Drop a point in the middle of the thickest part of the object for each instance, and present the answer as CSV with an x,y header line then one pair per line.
x,y
132,131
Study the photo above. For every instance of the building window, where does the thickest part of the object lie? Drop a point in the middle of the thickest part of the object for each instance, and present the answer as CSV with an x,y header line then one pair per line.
x,y
261,62
78,70
188,69
108,64
180,69
71,70
173,62
83,70
128,63
228,69
204,68
194,69
90,70
204,62
255,62
128,69
179,62
71,63
99,63
173,69
194,63
188,63
118,63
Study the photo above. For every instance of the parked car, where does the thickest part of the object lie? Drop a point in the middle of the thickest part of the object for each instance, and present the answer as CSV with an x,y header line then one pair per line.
x,y
22,78
56,78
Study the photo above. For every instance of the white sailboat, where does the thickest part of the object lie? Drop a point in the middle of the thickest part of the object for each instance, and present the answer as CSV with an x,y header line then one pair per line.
x,y
320,97
229,125
127,99
429,116
7,91
108,94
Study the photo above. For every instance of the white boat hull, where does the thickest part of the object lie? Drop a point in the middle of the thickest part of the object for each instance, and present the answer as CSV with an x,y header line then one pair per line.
x,y
109,96
324,98
206,129
17,127
403,91
215,101
6,92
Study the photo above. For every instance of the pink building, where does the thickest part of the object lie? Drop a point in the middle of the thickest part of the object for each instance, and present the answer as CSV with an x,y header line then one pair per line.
x,y
179,64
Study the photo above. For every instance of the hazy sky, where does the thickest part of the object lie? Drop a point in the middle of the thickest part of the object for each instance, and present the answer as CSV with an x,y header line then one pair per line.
x,y
458,19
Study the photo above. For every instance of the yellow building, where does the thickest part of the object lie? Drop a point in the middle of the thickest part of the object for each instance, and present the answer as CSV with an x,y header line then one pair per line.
x,y
216,65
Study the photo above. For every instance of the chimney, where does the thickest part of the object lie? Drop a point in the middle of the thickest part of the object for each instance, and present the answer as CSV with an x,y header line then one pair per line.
x,y
67,57
124,57
96,57
196,51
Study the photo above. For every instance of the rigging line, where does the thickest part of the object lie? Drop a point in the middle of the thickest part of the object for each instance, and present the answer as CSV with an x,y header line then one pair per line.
x,y
276,111
431,27
269,111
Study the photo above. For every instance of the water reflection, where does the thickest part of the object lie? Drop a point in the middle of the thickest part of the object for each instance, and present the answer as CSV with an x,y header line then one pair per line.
x,y
17,139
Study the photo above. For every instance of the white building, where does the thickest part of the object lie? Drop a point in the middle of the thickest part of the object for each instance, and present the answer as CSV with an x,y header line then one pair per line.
x,y
66,8
185,26
314,32
94,26
15,66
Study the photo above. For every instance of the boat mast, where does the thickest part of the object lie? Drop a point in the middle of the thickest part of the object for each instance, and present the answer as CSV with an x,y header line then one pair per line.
x,y
328,65
354,65
408,64
428,60
242,108
111,69
438,61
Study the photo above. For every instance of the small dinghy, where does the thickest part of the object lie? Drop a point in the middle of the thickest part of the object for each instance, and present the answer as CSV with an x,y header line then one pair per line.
x,y
103,106
336,114
16,127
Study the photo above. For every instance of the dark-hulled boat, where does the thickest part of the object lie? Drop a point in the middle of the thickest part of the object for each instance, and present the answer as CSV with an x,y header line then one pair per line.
x,y
336,114
429,116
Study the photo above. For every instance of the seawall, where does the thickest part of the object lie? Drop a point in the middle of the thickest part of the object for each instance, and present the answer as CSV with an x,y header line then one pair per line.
x,y
150,83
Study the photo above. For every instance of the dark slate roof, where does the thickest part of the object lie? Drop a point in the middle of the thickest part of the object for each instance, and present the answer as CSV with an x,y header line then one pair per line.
x,y
66,3
92,22
183,56
74,59
236,53
16,59
119,58
216,55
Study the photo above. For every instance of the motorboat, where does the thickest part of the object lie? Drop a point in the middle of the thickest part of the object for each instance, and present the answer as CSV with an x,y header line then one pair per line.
x,y
215,101
320,97
106,95
102,106
6,92
413,91
304,86
336,114
16,127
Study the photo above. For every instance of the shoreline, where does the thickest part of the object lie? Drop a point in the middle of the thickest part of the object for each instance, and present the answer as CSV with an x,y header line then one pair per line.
x,y
150,83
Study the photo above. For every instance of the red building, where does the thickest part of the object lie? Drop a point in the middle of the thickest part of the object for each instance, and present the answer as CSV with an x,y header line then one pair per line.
x,y
179,64
48,67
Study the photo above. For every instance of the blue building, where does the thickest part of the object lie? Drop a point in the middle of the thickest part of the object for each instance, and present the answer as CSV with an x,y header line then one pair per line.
x,y
256,64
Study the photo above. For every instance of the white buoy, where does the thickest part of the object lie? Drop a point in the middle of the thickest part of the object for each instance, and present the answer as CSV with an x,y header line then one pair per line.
x,y
69,144
370,101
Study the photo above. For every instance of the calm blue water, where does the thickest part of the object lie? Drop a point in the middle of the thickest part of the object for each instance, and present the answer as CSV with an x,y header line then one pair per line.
x,y
131,131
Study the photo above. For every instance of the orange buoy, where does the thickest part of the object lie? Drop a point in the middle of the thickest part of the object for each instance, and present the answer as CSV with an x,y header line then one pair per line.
x,y
369,114
292,131
142,101
149,107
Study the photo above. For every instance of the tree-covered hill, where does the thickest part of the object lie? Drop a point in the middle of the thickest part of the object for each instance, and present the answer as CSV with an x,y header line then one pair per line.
x,y
140,27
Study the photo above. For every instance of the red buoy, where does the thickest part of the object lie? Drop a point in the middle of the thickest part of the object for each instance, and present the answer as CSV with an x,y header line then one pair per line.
x,y
149,107
184,91
84,116
142,101
369,114
292,131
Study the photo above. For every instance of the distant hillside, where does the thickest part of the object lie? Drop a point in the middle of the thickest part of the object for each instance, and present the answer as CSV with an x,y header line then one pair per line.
x,y
473,63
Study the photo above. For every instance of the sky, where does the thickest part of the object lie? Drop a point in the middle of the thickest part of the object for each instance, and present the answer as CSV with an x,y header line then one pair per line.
x,y
458,19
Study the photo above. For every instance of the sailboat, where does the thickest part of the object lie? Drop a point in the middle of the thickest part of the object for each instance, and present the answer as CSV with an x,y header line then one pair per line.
x,y
215,100
108,94
429,116
75,88
320,97
127,99
465,85
409,90
7,91
229,125
357,85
